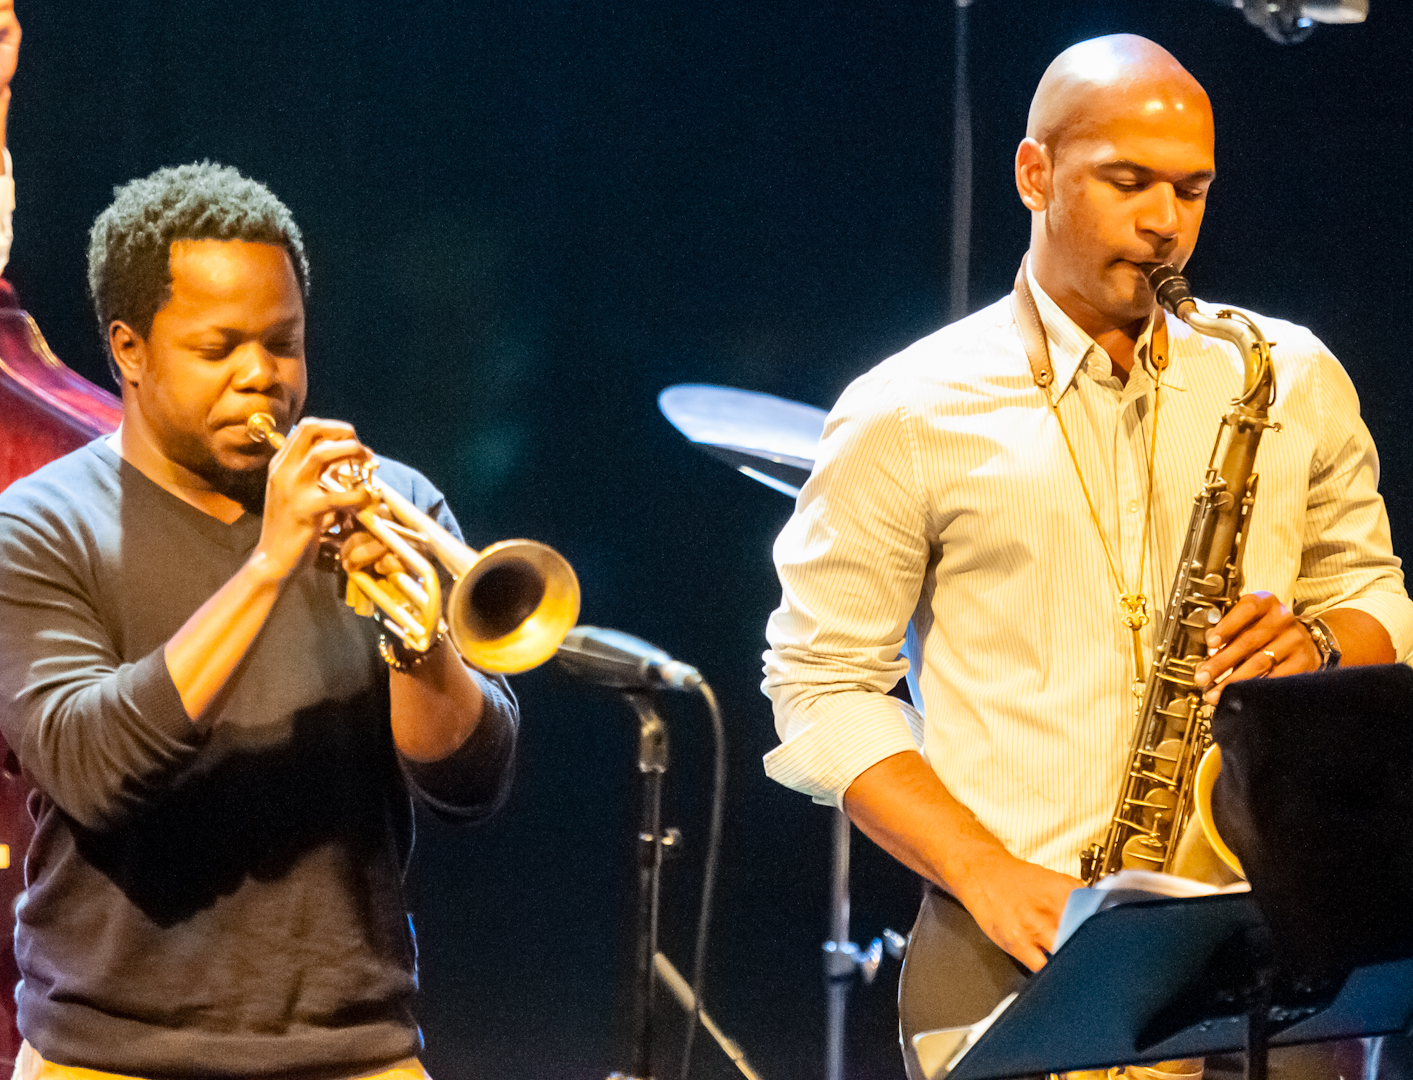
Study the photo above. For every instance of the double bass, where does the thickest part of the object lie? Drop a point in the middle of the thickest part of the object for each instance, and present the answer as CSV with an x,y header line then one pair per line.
x,y
46,410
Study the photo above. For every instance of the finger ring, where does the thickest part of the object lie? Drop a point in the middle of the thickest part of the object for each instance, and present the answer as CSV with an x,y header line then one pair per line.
x,y
1272,657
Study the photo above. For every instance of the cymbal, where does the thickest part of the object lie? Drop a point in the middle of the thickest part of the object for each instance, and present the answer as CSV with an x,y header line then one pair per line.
x,y
770,439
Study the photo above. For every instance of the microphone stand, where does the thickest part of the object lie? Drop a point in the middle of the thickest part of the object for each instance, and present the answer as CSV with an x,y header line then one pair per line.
x,y
652,764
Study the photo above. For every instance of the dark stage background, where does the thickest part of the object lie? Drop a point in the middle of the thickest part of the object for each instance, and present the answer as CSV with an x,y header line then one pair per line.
x,y
525,220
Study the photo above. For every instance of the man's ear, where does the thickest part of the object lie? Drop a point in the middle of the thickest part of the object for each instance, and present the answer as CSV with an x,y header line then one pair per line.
x,y
1034,173
128,349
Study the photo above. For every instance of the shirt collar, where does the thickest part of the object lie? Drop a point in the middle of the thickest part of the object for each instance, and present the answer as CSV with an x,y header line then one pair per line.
x,y
1070,346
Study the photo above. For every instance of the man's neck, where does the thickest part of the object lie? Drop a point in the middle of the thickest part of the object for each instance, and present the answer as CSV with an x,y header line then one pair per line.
x,y
1121,345
1120,341
139,450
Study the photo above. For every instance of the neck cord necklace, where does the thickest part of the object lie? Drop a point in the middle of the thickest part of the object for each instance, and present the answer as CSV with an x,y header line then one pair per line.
x,y
1133,605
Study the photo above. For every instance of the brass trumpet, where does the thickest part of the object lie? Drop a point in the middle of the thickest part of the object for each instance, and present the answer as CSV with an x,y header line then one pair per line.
x,y
509,606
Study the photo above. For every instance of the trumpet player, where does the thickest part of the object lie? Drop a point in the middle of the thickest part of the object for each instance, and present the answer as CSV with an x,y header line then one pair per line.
x,y
224,754
1022,509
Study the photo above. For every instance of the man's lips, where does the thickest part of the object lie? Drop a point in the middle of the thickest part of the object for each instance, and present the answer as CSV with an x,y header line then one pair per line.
x,y
237,429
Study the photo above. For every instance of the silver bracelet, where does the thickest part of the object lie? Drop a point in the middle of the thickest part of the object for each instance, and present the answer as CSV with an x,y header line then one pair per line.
x,y
1325,641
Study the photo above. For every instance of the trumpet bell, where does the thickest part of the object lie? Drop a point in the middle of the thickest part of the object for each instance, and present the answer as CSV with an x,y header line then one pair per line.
x,y
509,611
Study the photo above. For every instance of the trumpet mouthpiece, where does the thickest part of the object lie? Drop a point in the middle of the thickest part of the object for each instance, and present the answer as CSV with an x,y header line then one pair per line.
x,y
261,428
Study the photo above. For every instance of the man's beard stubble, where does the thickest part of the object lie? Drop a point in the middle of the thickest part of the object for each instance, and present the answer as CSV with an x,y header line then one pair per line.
x,y
245,486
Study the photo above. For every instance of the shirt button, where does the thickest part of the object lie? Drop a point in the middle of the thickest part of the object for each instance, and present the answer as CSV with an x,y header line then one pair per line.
x,y
1133,506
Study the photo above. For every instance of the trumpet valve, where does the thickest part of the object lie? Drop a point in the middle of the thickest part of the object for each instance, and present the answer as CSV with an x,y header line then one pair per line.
x,y
359,601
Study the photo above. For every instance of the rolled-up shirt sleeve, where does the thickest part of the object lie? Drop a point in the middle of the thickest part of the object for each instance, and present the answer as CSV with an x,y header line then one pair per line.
x,y
851,562
1347,559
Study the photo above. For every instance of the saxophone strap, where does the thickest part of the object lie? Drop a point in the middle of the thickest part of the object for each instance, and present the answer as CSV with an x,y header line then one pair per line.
x,y
1032,330
1037,348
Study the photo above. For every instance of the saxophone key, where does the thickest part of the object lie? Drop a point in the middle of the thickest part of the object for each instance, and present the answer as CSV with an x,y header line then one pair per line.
x,y
1143,853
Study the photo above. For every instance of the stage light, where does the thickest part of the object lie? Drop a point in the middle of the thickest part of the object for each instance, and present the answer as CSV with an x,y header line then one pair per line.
x,y
1290,22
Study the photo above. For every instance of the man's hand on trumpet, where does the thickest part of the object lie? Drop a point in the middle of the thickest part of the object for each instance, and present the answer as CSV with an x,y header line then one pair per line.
x,y
299,509
358,549
435,705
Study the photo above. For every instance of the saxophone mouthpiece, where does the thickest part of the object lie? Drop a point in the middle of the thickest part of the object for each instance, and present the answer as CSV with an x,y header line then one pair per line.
x,y
1170,288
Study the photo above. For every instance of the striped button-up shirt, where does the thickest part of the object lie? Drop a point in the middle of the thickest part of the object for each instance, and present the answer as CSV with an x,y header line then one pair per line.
x,y
943,497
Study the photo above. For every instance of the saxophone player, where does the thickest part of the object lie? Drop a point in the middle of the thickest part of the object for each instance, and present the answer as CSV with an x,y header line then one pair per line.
x,y
1027,529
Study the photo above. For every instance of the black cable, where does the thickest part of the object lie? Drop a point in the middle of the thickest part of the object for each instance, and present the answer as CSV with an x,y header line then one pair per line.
x,y
713,850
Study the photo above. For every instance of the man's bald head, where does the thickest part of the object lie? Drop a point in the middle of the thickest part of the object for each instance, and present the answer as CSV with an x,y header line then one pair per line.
x,y
1092,82
1114,169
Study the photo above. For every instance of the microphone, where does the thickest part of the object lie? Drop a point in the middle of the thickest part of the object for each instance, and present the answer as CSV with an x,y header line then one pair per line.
x,y
613,658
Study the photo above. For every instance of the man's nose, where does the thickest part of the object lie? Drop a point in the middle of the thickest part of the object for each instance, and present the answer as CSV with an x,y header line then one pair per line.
x,y
257,370
1160,211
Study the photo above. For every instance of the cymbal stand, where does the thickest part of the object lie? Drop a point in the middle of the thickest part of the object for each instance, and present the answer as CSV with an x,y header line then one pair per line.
x,y
842,957
652,764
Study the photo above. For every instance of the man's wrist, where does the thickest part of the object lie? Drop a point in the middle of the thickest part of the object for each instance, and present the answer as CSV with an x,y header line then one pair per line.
x,y
399,657
264,569
1326,644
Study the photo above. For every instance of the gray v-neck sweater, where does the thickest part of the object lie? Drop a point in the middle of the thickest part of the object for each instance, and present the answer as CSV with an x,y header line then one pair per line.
x,y
230,903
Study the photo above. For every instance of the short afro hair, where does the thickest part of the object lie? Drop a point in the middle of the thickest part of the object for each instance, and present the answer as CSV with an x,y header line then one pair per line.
x,y
129,247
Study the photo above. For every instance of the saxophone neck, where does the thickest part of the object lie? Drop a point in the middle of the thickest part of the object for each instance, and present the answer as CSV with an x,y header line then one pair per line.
x,y
1258,384
1172,292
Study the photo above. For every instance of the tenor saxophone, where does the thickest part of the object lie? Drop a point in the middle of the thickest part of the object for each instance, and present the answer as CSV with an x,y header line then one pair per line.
x,y
1172,743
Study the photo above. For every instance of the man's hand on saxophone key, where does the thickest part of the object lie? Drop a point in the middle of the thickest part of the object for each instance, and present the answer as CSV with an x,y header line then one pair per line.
x,y
1258,637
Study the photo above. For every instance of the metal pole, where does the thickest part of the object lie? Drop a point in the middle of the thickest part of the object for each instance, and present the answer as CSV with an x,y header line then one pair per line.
x,y
672,978
839,963
652,763
961,171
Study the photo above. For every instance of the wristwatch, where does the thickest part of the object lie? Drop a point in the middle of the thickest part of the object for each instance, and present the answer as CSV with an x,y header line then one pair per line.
x,y
1325,642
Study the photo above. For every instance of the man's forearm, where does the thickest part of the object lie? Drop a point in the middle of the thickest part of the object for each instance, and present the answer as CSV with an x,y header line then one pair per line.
x,y
435,706
205,652
903,807
1362,638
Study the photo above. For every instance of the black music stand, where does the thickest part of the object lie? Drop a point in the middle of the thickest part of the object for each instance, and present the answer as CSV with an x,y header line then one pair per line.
x,y
1316,798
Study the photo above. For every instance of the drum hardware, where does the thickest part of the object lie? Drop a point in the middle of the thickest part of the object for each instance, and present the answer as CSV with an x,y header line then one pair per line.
x,y
774,441
843,959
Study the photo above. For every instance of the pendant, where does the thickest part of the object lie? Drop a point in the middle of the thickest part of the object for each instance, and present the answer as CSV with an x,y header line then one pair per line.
x,y
1135,610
